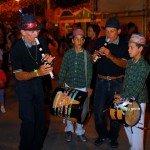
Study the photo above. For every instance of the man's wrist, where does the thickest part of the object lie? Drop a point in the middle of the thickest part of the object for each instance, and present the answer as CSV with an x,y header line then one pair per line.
x,y
36,71
111,57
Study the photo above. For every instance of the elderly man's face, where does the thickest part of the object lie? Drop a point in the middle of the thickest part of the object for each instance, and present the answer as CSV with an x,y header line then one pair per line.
x,y
30,35
112,33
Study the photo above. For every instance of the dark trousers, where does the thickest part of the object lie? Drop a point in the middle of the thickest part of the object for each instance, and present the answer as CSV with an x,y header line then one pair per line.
x,y
104,91
31,113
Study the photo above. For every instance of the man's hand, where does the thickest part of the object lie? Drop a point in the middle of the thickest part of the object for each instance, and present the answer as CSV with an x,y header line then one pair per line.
x,y
48,58
44,70
95,56
105,52
117,97
118,61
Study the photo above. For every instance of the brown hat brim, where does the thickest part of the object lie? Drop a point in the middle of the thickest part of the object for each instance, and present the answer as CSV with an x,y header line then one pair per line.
x,y
118,27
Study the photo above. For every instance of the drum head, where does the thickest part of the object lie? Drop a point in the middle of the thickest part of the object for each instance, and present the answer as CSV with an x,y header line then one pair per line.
x,y
132,115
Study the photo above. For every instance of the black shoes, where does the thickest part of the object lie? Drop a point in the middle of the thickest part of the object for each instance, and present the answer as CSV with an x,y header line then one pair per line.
x,y
113,143
99,141
68,136
82,138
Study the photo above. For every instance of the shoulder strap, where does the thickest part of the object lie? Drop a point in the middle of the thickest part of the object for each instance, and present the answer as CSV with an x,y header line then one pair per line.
x,y
85,65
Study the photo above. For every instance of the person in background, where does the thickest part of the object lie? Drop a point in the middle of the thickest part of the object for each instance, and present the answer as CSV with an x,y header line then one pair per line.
x,y
148,34
72,73
2,86
65,42
28,68
93,31
1,56
2,41
10,38
2,82
131,28
47,79
137,71
112,53
69,43
49,39
2,50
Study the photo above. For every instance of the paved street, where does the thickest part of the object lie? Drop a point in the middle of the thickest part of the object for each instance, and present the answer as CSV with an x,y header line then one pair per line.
x,y
10,125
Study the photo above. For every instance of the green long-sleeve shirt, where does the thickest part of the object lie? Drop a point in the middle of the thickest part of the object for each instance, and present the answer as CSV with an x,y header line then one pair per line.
x,y
72,70
135,78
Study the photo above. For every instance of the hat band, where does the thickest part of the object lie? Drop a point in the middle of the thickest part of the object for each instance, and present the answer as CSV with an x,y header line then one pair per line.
x,y
30,25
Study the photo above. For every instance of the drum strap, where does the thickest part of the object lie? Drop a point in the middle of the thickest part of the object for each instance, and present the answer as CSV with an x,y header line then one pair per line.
x,y
85,65
69,93
73,97
62,103
144,128
58,96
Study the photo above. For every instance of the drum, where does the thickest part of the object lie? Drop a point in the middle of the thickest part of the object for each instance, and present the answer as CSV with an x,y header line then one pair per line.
x,y
128,112
70,103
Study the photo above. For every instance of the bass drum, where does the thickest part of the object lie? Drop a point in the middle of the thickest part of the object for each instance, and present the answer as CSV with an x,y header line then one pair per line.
x,y
128,112
70,103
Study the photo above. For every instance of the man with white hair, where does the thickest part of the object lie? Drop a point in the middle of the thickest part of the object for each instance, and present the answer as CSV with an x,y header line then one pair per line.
x,y
28,68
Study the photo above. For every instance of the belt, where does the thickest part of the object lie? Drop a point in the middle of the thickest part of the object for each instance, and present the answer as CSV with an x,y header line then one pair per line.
x,y
110,77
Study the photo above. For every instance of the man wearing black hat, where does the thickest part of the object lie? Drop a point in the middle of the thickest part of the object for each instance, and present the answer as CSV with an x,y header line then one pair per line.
x,y
110,57
27,69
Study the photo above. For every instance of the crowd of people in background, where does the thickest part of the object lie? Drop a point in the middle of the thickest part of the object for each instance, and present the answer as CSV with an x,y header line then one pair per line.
x,y
112,63
7,38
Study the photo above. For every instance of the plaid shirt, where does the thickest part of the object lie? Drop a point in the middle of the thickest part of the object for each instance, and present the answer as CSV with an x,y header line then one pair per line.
x,y
134,82
72,71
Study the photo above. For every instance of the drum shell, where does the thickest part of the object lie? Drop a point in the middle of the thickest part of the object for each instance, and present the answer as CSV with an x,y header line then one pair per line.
x,y
76,109
116,115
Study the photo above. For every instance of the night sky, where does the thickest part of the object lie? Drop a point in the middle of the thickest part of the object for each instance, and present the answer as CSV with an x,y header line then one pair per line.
x,y
68,3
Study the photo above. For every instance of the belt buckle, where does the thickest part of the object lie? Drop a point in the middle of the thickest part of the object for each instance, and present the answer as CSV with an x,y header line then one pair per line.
x,y
108,78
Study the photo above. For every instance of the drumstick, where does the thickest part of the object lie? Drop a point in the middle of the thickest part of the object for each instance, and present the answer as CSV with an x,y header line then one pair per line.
x,y
41,50
106,109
